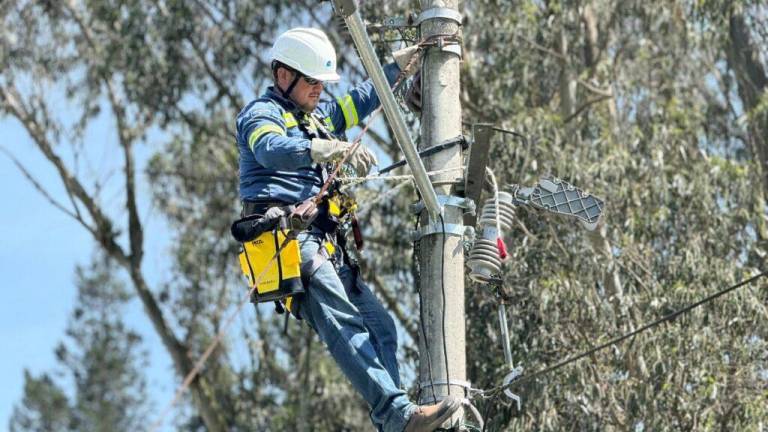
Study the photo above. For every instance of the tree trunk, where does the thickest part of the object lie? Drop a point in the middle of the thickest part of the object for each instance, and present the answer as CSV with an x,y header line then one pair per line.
x,y
743,58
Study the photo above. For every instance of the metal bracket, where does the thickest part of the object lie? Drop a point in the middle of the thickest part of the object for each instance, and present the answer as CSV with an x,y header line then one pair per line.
x,y
448,200
456,230
458,383
459,140
514,373
453,49
444,13
477,161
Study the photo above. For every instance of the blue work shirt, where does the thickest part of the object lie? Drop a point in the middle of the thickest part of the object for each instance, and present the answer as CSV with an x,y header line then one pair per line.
x,y
275,162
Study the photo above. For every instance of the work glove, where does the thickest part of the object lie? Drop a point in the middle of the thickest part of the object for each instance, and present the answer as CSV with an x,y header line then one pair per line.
x,y
323,150
413,96
274,213
404,56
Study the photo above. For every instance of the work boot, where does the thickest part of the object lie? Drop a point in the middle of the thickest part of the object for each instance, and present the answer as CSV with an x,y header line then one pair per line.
x,y
427,418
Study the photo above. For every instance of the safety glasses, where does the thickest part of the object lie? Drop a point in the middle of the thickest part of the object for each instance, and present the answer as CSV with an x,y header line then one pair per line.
x,y
310,81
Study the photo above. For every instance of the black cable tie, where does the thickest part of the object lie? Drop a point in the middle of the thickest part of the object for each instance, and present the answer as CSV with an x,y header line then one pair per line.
x,y
461,139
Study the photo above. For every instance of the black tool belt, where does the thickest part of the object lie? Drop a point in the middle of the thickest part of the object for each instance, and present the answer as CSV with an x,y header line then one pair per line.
x,y
258,207
324,221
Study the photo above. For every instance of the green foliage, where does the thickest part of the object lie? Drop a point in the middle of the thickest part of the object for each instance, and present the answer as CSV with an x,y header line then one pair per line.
x,y
680,220
642,103
44,407
101,360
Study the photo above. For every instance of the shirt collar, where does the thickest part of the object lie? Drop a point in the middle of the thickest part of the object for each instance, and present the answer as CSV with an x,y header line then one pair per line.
x,y
287,104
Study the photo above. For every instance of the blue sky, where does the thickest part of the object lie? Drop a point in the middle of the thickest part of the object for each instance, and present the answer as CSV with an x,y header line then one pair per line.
x,y
39,250
41,247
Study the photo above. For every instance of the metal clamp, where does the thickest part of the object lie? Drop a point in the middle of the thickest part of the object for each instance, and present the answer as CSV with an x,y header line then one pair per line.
x,y
453,49
511,376
458,383
444,13
448,200
447,43
456,230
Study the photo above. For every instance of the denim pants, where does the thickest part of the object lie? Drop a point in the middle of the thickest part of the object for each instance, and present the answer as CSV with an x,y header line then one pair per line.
x,y
359,334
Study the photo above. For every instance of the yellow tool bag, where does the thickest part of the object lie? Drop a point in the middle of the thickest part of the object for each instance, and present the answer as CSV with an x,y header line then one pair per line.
x,y
276,277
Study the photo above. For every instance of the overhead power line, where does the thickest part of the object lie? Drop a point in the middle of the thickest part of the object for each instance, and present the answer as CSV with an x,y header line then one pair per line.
x,y
669,317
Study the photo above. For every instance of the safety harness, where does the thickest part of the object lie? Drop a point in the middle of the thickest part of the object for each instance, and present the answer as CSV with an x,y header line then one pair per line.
x,y
270,229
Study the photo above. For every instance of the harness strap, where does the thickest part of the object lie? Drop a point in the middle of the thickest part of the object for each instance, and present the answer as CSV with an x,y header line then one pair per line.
x,y
324,132
287,92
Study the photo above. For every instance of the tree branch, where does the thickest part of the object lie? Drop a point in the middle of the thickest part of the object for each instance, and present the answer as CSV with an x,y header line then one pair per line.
x,y
541,48
76,216
103,230
584,106
126,136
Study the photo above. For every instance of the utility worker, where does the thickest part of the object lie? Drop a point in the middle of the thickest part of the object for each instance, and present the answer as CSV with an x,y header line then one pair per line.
x,y
285,138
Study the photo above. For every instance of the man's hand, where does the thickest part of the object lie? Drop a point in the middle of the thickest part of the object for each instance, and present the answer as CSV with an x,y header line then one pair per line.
x,y
413,96
323,150
404,56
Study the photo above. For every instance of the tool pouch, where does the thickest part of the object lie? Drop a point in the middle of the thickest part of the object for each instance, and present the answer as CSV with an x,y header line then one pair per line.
x,y
260,240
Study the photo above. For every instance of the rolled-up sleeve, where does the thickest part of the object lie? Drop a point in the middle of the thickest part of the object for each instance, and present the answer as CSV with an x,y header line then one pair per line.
x,y
263,130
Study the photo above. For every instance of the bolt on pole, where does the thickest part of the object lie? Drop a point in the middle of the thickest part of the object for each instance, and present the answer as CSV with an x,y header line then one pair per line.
x,y
441,255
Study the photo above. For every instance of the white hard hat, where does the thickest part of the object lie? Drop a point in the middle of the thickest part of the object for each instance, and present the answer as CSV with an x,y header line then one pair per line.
x,y
309,51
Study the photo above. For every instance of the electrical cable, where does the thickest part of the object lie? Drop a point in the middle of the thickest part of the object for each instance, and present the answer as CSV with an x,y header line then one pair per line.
x,y
513,133
523,378
445,302
505,131
416,252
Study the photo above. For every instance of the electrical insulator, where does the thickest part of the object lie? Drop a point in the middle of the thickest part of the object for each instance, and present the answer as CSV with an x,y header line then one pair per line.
x,y
484,259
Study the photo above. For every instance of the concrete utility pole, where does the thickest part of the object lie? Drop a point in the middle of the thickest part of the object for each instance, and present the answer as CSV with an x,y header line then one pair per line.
x,y
442,258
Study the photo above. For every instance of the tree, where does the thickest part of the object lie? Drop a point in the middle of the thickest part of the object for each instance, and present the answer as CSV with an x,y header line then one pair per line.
x,y
101,357
44,407
633,102
656,106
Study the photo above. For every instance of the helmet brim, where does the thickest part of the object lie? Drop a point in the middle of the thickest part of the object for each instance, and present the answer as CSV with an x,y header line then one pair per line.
x,y
331,77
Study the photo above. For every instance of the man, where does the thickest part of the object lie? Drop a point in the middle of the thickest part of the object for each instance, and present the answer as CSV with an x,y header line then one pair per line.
x,y
285,137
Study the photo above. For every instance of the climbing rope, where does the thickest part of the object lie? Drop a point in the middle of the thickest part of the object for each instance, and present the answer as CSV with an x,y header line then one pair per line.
x,y
352,181
215,342
382,197
358,141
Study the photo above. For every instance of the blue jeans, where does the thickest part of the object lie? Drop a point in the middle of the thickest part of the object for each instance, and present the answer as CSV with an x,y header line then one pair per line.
x,y
359,334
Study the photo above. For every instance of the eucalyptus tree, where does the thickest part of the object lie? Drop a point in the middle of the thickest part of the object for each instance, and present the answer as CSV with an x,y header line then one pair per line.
x,y
99,384
656,106
641,103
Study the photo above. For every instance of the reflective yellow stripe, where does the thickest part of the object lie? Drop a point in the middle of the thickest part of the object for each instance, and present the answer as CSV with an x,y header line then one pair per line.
x,y
261,130
308,120
348,108
290,120
329,124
